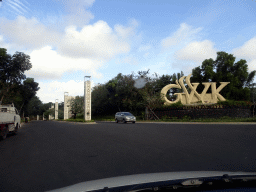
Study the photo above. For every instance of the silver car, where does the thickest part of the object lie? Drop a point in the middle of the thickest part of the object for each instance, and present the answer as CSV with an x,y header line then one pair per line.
x,y
125,117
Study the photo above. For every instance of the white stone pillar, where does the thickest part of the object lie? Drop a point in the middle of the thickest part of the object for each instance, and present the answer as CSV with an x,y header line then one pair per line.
x,y
87,99
51,116
43,116
56,109
65,105
37,117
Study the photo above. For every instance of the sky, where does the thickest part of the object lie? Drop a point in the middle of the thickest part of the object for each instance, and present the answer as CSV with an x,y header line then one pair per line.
x,y
67,40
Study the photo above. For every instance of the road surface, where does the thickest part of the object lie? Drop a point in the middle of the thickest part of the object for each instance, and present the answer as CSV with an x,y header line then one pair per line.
x,y
46,155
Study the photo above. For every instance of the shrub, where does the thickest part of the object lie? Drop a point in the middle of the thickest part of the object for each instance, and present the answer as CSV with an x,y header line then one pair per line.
x,y
186,117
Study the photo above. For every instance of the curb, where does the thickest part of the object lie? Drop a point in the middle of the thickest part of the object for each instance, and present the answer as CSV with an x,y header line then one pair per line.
x,y
213,123
84,123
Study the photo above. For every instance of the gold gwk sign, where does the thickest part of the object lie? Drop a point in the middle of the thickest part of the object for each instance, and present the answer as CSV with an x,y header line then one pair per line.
x,y
194,96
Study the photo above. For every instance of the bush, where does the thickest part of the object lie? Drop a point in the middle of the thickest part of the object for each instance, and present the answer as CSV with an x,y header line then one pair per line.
x,y
186,118
165,117
78,120
80,116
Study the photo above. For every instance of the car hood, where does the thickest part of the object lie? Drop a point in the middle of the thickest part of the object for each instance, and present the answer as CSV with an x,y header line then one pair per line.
x,y
131,180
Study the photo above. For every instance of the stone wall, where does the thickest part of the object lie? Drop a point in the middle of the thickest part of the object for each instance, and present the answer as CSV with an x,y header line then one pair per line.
x,y
204,113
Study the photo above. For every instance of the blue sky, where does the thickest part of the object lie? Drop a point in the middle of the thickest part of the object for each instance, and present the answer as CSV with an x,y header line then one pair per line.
x,y
67,40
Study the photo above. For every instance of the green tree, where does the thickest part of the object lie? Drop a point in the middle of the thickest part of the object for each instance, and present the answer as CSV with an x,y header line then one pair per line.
x,y
164,80
12,69
34,107
120,94
61,110
49,112
77,105
28,91
100,100
224,69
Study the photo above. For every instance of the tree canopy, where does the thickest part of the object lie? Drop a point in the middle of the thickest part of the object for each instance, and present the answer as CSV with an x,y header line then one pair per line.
x,y
77,105
14,86
120,94
225,69
12,69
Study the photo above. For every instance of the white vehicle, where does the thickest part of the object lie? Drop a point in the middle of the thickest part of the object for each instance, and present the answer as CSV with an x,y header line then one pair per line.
x,y
9,120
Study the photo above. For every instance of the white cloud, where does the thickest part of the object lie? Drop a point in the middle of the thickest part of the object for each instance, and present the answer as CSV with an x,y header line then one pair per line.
x,y
48,64
80,18
50,91
18,6
97,41
252,65
144,48
160,67
126,32
193,55
74,50
184,34
129,60
77,13
93,41
197,51
146,55
71,6
247,51
3,43
29,33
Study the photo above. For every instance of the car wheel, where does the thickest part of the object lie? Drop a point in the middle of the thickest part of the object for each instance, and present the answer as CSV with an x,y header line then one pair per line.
x,y
4,133
116,121
16,129
124,121
133,122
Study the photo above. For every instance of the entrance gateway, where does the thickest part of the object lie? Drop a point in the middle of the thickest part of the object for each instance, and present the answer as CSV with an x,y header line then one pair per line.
x,y
194,96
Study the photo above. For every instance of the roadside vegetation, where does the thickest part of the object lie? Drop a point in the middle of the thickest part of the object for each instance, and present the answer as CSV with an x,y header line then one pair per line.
x,y
76,120
132,93
79,118
185,119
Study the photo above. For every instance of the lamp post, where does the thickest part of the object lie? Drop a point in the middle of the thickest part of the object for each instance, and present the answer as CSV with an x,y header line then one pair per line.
x,y
87,98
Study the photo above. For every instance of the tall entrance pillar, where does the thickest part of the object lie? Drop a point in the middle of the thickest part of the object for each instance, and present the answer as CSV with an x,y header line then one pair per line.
x,y
56,109
87,98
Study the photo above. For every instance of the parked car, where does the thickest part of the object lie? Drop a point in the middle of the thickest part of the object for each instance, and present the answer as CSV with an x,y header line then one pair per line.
x,y
9,120
125,117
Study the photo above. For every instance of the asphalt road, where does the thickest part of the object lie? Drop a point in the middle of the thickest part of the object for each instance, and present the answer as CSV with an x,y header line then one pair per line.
x,y
47,155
